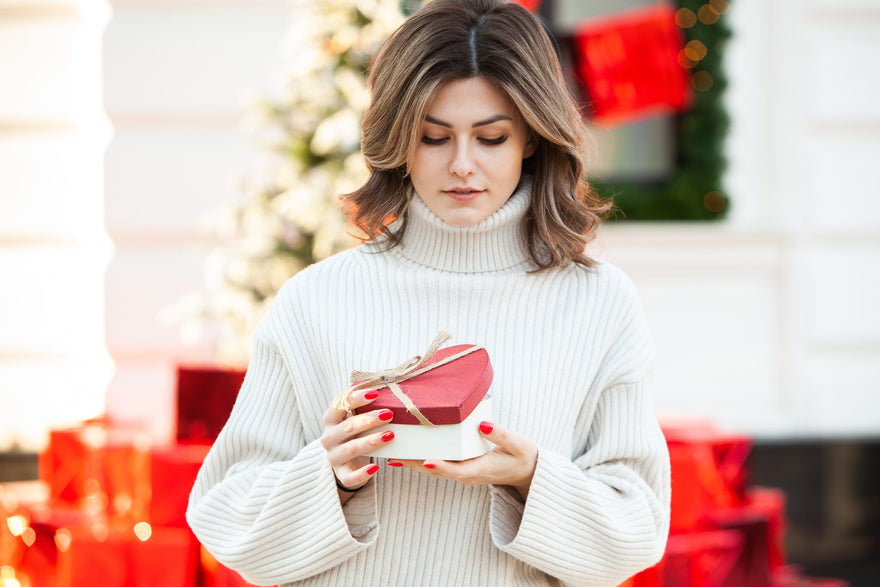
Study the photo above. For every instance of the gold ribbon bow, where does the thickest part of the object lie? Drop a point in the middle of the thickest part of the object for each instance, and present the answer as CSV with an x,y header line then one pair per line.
x,y
391,378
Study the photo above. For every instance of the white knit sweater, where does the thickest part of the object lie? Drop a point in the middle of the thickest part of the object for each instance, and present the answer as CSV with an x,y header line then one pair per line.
x,y
570,351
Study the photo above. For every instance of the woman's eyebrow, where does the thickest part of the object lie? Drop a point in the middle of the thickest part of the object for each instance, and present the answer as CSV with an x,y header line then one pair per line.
x,y
490,120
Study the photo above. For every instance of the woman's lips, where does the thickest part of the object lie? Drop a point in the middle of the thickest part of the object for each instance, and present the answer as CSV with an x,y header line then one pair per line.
x,y
463,194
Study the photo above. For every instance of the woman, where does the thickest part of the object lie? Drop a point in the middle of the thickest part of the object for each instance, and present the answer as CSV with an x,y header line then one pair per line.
x,y
477,214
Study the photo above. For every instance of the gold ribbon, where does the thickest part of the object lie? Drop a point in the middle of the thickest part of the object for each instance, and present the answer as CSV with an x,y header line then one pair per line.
x,y
391,378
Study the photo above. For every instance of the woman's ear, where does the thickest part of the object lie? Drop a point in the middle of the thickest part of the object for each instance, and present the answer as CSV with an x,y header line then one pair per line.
x,y
531,145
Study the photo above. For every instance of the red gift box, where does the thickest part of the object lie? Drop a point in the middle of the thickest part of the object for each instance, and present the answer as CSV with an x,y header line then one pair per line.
x,y
48,531
173,471
205,396
99,466
437,401
761,521
628,63
444,395
142,556
708,472
701,559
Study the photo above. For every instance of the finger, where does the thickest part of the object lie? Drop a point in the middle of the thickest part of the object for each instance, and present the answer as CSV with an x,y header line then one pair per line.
x,y
354,426
356,399
507,440
359,477
358,447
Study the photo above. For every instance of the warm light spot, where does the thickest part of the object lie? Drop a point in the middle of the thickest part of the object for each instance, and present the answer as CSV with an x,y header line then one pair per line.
x,y
684,61
685,18
17,524
100,532
714,201
722,6
91,486
143,531
28,536
702,81
695,50
63,538
8,500
122,503
708,14
7,577
94,436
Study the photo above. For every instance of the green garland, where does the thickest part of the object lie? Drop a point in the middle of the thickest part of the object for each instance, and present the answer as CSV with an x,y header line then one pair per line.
x,y
693,191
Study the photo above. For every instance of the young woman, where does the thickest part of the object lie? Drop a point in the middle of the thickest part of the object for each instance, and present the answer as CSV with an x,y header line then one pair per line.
x,y
477,213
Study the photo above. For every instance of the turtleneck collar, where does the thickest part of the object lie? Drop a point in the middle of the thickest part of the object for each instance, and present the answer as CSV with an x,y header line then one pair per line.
x,y
494,244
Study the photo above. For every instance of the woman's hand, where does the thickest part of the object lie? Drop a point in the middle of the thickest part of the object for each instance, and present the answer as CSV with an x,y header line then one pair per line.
x,y
346,453
512,462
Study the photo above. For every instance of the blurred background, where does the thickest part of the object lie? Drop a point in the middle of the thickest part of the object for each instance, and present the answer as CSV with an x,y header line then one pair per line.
x,y
165,165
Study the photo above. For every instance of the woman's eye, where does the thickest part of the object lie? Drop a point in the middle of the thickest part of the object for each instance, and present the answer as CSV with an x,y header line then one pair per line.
x,y
496,141
430,141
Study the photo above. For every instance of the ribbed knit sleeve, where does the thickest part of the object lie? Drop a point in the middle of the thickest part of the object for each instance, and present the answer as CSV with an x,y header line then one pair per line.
x,y
265,501
600,515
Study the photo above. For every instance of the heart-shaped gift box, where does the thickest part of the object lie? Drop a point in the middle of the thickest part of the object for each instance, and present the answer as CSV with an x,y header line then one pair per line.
x,y
446,394
449,390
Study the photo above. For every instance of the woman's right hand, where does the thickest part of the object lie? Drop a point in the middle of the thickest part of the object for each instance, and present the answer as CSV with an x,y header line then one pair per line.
x,y
347,453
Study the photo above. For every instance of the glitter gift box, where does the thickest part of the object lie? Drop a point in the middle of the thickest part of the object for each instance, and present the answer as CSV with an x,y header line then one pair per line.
x,y
438,401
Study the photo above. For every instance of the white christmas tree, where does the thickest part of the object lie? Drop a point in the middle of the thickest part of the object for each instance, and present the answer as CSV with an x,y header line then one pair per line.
x,y
292,218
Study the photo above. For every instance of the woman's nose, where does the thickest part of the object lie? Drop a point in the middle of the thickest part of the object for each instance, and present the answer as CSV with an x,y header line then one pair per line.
x,y
462,163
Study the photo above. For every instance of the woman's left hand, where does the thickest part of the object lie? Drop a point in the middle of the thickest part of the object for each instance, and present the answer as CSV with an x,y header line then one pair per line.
x,y
512,462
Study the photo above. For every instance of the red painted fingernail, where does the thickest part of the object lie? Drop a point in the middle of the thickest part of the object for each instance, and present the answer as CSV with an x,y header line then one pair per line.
x,y
394,464
371,470
486,427
372,394
429,466
387,436
386,415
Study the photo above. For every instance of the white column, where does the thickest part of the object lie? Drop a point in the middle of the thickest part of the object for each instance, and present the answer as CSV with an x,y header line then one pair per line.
x,y
179,77
54,367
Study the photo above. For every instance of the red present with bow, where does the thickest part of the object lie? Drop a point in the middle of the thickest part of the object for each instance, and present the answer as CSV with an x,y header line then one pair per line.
x,y
438,400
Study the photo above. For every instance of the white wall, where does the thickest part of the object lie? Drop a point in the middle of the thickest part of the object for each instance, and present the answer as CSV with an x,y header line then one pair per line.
x,y
178,79
769,323
53,247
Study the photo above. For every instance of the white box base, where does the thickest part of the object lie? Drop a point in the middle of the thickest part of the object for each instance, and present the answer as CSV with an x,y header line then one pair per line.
x,y
448,442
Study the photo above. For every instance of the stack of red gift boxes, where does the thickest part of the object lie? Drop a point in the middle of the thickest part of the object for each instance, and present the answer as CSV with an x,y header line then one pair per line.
x,y
723,532
109,507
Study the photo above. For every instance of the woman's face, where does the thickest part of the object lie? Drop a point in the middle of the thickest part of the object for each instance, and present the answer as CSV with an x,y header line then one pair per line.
x,y
469,159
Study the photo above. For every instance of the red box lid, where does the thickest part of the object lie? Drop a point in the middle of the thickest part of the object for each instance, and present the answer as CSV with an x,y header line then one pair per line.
x,y
446,394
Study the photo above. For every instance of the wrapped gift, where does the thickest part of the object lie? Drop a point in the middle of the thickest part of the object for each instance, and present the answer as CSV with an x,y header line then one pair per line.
x,y
761,521
141,556
708,473
438,400
205,396
629,66
173,471
702,559
99,466
46,533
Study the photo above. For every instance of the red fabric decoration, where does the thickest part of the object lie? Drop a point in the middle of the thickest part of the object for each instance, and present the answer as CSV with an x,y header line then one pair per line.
x,y
628,63
530,5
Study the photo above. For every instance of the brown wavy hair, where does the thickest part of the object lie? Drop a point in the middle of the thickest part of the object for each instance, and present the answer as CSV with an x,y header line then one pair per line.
x,y
448,40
